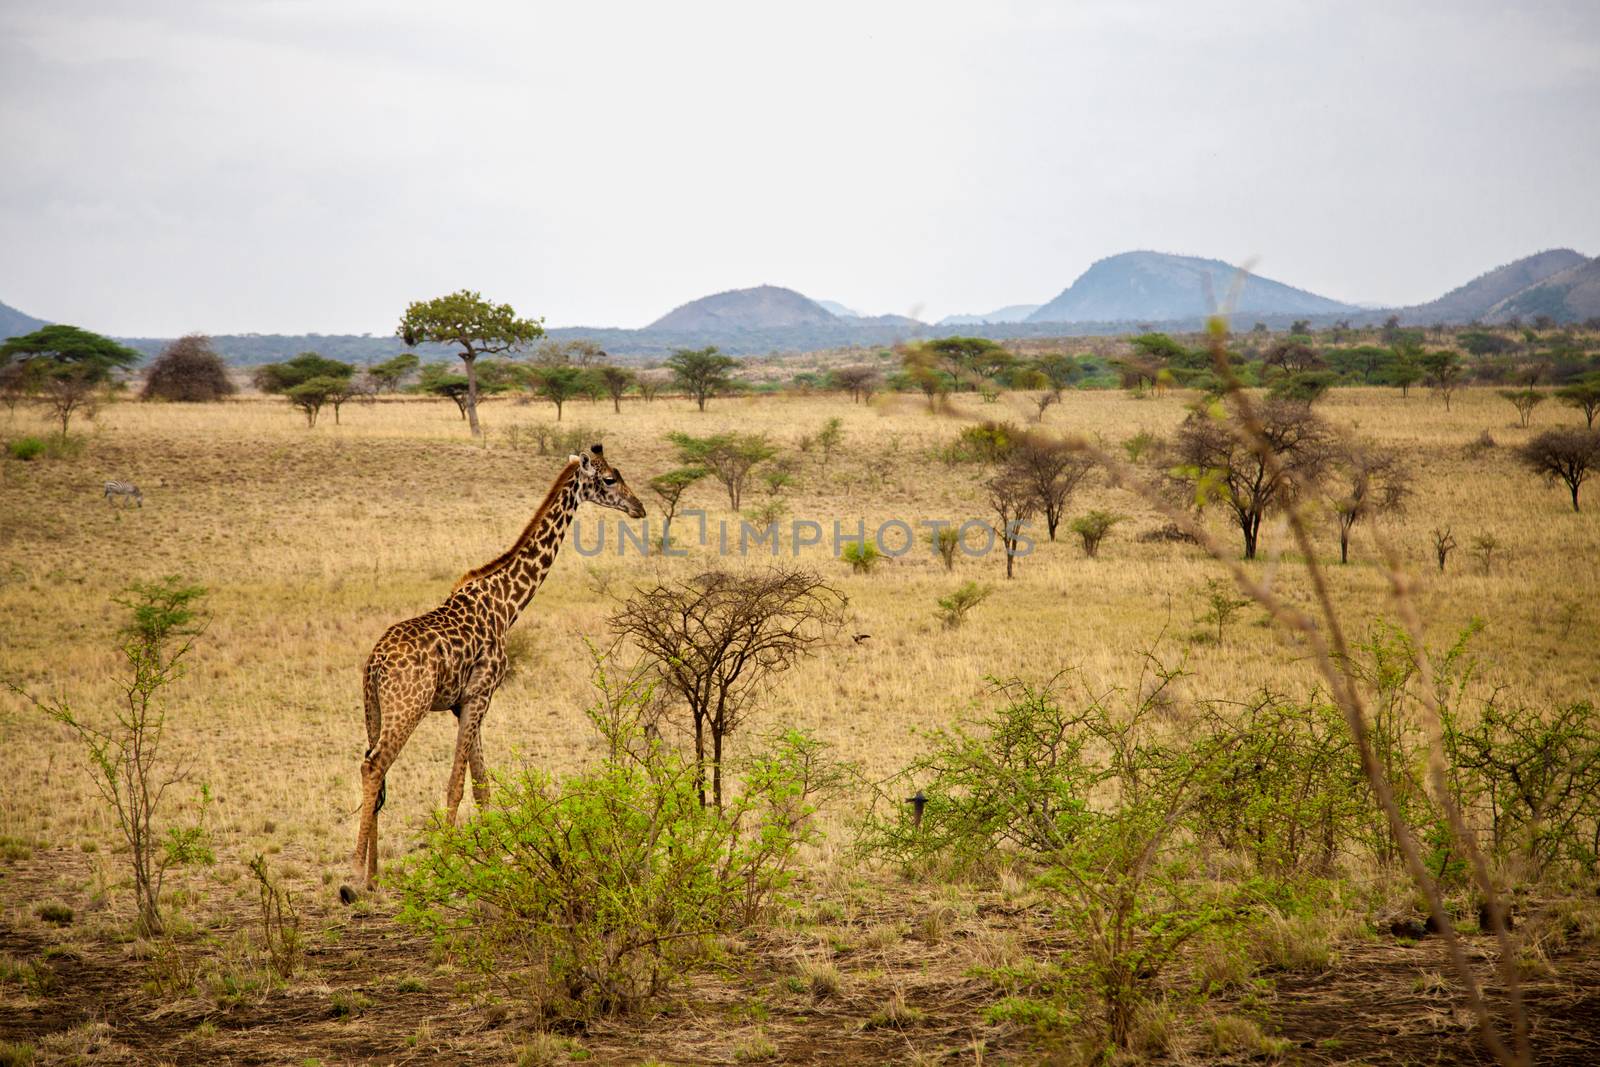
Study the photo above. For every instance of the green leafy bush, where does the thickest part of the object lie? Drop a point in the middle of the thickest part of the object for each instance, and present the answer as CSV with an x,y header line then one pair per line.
x,y
610,884
1094,803
1288,789
862,556
25,448
953,609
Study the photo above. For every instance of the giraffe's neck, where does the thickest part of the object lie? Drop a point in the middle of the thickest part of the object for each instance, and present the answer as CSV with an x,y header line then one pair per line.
x,y
505,586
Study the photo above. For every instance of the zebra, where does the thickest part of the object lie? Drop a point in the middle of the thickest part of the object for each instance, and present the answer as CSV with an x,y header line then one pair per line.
x,y
123,489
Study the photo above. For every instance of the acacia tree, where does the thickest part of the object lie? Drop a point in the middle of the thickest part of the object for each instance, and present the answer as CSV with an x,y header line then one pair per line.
x,y
65,368
476,326
729,456
1052,471
616,381
860,381
387,376
437,380
1524,400
281,377
310,395
1218,459
558,384
1370,484
1443,372
188,371
719,640
1585,396
670,487
1568,455
701,372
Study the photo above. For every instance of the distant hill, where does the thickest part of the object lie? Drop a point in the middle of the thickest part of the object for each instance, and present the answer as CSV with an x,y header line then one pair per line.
x,y
1570,295
14,323
1475,299
1009,313
838,309
766,307
1155,287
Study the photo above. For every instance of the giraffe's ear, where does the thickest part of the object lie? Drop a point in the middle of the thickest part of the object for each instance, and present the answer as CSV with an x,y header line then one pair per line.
x,y
583,460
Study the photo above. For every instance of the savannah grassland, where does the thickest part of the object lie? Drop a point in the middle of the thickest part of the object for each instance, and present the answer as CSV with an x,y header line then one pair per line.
x,y
312,541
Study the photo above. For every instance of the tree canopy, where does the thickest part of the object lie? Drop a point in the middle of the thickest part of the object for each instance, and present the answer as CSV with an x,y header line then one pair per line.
x,y
701,372
475,325
282,377
65,367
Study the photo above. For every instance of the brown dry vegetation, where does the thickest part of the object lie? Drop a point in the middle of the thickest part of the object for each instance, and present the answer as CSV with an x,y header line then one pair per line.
x,y
311,542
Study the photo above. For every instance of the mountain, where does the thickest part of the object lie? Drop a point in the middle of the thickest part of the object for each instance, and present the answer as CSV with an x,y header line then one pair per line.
x,y
14,323
1009,313
838,309
1570,295
1475,299
1155,287
766,307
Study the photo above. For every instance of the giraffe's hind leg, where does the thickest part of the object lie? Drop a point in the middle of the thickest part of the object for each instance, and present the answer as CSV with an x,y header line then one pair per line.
x,y
400,719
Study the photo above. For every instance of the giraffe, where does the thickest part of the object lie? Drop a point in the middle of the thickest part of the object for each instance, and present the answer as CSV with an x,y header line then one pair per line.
x,y
453,658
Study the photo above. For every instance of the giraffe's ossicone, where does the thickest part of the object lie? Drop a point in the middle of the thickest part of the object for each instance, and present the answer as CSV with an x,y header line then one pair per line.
x,y
453,657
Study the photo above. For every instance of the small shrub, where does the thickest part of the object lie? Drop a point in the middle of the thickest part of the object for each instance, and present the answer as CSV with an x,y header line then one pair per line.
x,y
862,556
946,540
347,1004
26,448
1292,943
55,914
280,922
896,1014
1093,527
953,609
821,977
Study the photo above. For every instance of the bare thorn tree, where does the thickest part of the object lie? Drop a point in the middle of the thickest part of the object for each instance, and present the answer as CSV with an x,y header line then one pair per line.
x,y
1052,471
1013,501
1217,459
719,640
1370,484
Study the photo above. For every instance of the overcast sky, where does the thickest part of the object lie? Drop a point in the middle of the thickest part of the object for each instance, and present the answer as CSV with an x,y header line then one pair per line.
x,y
313,166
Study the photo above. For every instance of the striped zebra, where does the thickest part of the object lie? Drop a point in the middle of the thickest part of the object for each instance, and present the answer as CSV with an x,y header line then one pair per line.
x,y
124,489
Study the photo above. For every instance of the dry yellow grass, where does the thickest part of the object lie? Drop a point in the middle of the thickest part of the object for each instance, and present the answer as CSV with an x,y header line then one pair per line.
x,y
312,541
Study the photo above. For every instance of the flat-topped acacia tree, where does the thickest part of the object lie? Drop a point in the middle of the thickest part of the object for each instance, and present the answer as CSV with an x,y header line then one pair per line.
x,y
65,367
476,326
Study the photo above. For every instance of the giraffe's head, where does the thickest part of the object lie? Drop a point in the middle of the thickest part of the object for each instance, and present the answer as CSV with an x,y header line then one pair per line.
x,y
601,483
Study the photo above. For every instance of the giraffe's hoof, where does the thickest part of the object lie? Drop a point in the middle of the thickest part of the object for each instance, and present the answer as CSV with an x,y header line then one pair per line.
x,y
348,894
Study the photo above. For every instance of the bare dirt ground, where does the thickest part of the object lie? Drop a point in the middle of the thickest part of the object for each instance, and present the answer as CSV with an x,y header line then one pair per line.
x,y
373,991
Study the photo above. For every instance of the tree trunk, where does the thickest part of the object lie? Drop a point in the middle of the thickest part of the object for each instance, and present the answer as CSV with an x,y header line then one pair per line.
x,y
1252,528
716,766
1574,487
700,755
471,360
1344,544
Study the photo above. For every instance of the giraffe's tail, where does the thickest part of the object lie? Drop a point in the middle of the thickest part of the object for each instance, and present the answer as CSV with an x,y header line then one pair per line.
x,y
374,709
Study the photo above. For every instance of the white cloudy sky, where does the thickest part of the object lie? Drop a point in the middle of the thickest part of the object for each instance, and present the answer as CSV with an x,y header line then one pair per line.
x,y
312,166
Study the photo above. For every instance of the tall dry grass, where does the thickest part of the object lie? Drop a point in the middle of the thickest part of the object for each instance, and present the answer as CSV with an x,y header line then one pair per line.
x,y
312,541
